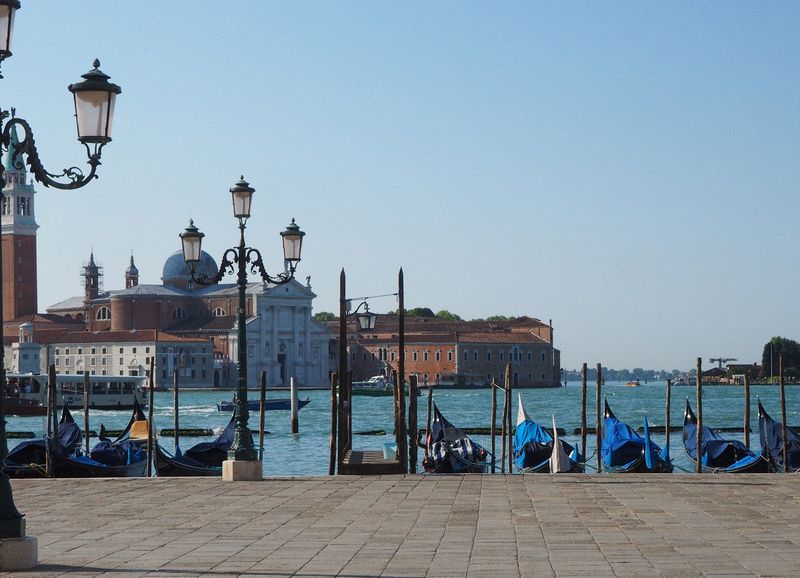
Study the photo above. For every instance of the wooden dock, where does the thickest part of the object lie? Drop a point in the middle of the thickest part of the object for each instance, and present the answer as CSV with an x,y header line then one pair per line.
x,y
369,463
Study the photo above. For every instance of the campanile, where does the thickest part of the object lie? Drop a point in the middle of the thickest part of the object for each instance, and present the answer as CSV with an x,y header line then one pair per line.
x,y
18,237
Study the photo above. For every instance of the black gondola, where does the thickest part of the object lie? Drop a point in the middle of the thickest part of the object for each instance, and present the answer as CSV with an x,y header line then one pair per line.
x,y
624,451
533,446
771,436
203,459
450,450
720,454
124,457
28,459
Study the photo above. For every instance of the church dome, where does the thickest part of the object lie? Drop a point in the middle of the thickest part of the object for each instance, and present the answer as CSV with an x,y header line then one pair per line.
x,y
176,269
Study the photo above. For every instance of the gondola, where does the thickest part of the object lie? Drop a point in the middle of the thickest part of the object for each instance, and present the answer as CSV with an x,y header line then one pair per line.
x,y
720,454
450,450
123,457
28,459
203,459
533,446
623,450
771,436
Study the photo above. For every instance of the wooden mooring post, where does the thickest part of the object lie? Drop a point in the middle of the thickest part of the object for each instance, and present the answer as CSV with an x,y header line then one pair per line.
x,y
150,397
493,429
785,446
293,397
747,409
699,430
412,424
509,426
86,408
667,412
503,424
175,412
598,418
334,419
262,414
428,420
342,373
583,412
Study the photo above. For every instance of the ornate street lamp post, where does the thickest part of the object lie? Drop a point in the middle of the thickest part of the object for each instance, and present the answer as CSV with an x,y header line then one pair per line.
x,y
94,99
242,450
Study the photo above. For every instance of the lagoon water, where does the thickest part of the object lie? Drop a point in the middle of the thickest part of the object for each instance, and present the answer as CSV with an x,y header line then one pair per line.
x,y
307,453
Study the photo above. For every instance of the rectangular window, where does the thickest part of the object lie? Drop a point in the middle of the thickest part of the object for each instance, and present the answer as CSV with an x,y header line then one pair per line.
x,y
543,376
134,350
414,356
93,350
439,357
57,362
488,356
121,361
530,377
424,356
121,372
542,355
466,356
103,351
502,356
450,357
147,350
530,357
66,361
365,356
57,354
94,362
475,356
121,350
66,351
104,361
80,351
103,372
393,359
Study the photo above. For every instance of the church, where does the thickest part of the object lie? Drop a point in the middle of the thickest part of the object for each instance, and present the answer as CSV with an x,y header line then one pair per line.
x,y
178,324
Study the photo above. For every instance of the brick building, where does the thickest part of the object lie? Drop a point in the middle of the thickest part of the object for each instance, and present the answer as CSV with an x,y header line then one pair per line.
x,y
464,352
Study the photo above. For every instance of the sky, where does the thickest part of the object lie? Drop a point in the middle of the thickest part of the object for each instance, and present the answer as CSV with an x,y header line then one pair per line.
x,y
627,169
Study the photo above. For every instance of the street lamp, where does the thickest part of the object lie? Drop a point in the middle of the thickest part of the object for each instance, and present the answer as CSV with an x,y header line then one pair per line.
x,y
94,99
242,460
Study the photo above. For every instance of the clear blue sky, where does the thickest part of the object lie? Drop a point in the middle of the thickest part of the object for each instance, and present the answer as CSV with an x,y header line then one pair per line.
x,y
627,169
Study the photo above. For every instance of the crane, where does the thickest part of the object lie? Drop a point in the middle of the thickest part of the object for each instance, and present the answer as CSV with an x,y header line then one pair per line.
x,y
721,360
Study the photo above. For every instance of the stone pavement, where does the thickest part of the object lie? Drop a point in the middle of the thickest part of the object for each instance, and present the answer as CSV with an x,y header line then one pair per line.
x,y
531,525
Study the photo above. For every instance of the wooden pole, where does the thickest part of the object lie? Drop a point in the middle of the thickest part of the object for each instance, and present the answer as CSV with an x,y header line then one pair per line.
x,y
54,387
293,396
699,430
176,425
583,411
503,426
401,318
150,420
51,385
667,411
783,415
747,409
262,415
86,408
509,427
412,424
598,418
342,371
428,419
493,429
349,408
396,410
334,416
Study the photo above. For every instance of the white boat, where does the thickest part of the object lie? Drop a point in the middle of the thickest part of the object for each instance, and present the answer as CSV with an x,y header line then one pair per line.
x,y
105,391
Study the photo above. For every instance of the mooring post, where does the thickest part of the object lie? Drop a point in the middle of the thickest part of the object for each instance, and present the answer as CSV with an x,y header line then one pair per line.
x,y
504,422
598,418
262,414
150,397
51,393
54,387
747,409
293,392
175,413
783,416
667,411
401,319
699,431
342,373
493,429
334,417
510,428
86,408
412,424
583,411
428,419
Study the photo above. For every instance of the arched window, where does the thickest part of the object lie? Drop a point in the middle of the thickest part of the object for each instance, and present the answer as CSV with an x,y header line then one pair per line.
x,y
179,313
103,314
219,312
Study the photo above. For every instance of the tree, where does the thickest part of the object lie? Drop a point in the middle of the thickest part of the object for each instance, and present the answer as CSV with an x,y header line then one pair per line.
x,y
447,316
499,318
771,354
324,316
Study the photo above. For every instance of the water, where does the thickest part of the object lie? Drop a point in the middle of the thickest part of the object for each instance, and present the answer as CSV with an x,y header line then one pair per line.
x,y
307,453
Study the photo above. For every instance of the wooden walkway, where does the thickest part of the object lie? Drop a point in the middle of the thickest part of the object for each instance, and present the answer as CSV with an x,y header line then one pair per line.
x,y
369,463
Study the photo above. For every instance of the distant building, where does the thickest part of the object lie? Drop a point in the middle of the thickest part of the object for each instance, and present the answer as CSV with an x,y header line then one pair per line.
x,y
461,352
177,323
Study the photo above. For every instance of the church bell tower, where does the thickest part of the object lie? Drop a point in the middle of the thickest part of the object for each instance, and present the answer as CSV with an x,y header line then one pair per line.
x,y
18,237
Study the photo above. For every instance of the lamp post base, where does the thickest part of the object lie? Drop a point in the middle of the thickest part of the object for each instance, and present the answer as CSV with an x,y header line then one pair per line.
x,y
241,471
18,553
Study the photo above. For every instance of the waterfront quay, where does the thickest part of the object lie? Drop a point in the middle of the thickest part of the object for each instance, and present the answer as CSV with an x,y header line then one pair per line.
x,y
453,525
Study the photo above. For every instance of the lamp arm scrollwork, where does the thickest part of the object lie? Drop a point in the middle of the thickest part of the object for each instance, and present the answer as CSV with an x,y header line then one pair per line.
x,y
257,268
229,259
27,146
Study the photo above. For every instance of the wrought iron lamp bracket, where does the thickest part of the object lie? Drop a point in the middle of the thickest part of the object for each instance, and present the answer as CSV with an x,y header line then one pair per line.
x,y
257,268
74,176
